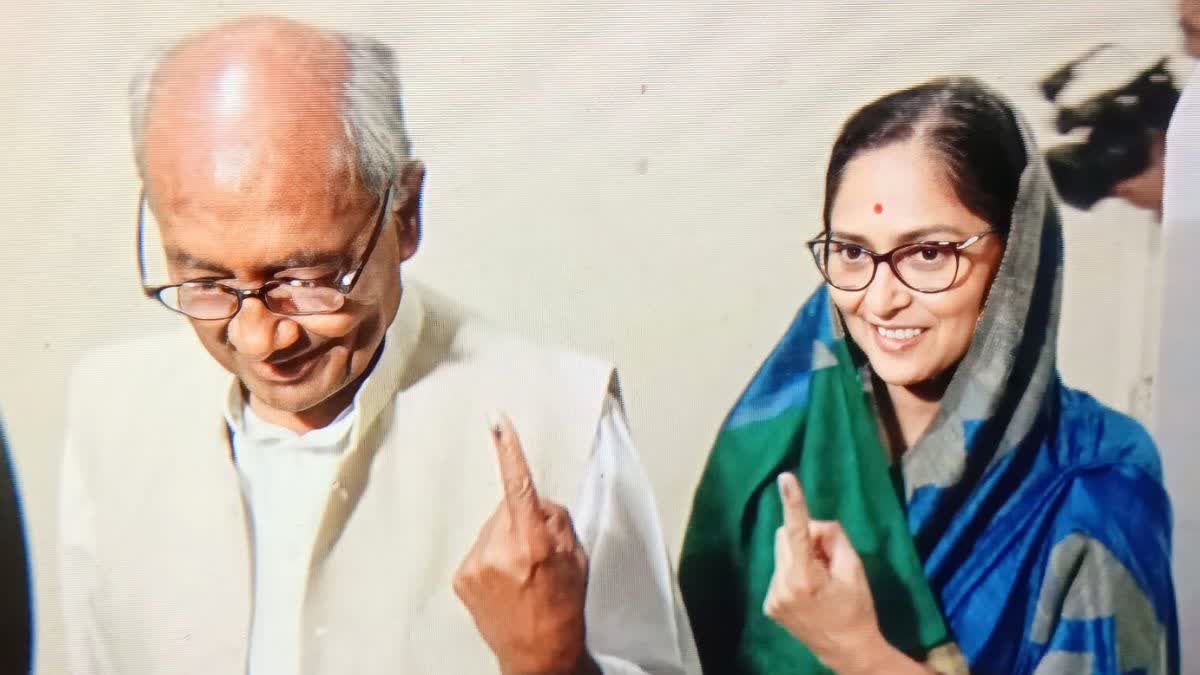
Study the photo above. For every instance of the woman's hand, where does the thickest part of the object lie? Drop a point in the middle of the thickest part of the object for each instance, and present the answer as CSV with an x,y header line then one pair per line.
x,y
819,593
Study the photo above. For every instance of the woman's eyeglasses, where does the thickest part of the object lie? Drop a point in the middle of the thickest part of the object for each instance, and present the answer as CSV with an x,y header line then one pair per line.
x,y
925,267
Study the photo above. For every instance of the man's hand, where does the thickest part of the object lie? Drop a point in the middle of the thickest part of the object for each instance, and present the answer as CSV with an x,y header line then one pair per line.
x,y
1145,190
525,579
819,593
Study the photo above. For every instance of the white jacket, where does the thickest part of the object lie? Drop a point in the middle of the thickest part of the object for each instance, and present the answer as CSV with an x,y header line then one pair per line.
x,y
156,557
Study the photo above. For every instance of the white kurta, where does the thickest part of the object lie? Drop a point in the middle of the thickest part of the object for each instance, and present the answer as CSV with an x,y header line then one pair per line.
x,y
285,477
1176,425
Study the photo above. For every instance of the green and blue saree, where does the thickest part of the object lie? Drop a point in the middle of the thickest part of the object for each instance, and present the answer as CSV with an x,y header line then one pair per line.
x,y
1028,529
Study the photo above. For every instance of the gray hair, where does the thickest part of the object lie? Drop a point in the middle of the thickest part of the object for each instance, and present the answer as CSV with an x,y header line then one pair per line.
x,y
373,115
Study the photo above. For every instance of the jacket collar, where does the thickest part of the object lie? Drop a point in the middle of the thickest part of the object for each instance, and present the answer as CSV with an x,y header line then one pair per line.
x,y
379,387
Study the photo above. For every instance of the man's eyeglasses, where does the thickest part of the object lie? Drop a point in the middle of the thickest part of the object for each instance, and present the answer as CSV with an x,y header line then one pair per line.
x,y
925,267
211,300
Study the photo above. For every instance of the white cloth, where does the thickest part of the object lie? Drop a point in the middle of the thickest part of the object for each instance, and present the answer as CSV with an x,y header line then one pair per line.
x,y
285,477
1176,425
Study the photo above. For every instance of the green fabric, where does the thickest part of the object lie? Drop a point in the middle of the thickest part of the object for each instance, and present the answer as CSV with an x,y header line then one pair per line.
x,y
830,440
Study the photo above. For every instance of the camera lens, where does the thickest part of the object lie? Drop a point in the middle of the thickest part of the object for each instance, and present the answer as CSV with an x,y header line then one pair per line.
x,y
1085,173
1080,181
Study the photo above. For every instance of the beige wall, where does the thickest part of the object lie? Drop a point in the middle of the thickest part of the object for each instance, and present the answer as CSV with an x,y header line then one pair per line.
x,y
633,178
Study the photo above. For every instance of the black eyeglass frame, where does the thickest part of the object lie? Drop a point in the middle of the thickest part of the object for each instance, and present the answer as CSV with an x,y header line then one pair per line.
x,y
345,282
955,247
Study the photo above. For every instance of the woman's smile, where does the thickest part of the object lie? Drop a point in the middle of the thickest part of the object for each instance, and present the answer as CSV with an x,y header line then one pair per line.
x,y
897,338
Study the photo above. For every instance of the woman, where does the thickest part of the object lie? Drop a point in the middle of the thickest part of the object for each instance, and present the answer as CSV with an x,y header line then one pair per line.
x,y
968,511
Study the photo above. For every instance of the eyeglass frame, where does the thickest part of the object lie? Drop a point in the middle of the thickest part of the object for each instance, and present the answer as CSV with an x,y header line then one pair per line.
x,y
345,283
956,246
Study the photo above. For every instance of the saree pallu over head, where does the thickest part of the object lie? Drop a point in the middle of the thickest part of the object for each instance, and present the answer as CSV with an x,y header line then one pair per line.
x,y
1028,527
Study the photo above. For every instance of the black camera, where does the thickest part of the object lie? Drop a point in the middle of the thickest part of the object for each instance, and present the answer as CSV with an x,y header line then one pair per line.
x,y
1120,125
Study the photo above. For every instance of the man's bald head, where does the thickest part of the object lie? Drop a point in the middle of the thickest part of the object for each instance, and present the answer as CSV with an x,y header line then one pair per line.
x,y
267,98
267,149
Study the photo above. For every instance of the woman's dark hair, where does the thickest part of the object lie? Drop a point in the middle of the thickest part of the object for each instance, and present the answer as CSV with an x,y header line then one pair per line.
x,y
971,130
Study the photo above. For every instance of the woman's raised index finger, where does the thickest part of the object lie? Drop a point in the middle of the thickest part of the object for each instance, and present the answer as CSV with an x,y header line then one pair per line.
x,y
795,508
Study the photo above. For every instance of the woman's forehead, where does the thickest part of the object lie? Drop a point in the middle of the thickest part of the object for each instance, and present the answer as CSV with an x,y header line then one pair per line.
x,y
897,194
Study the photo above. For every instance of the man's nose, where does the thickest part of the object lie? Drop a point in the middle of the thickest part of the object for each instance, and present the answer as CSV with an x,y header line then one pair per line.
x,y
257,332
887,294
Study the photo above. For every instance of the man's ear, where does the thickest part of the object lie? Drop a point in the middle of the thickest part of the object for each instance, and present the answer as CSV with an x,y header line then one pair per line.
x,y
406,207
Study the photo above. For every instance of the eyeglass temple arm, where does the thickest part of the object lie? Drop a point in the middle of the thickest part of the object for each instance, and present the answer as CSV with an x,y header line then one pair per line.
x,y
140,244
345,286
971,240
150,291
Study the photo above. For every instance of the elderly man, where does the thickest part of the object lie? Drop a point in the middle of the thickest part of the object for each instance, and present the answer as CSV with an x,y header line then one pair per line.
x,y
308,495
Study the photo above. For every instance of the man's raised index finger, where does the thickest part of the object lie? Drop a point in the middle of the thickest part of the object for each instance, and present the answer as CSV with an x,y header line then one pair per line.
x,y
519,492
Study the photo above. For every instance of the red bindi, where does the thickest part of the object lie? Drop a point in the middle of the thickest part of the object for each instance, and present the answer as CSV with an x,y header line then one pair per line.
x,y
878,208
